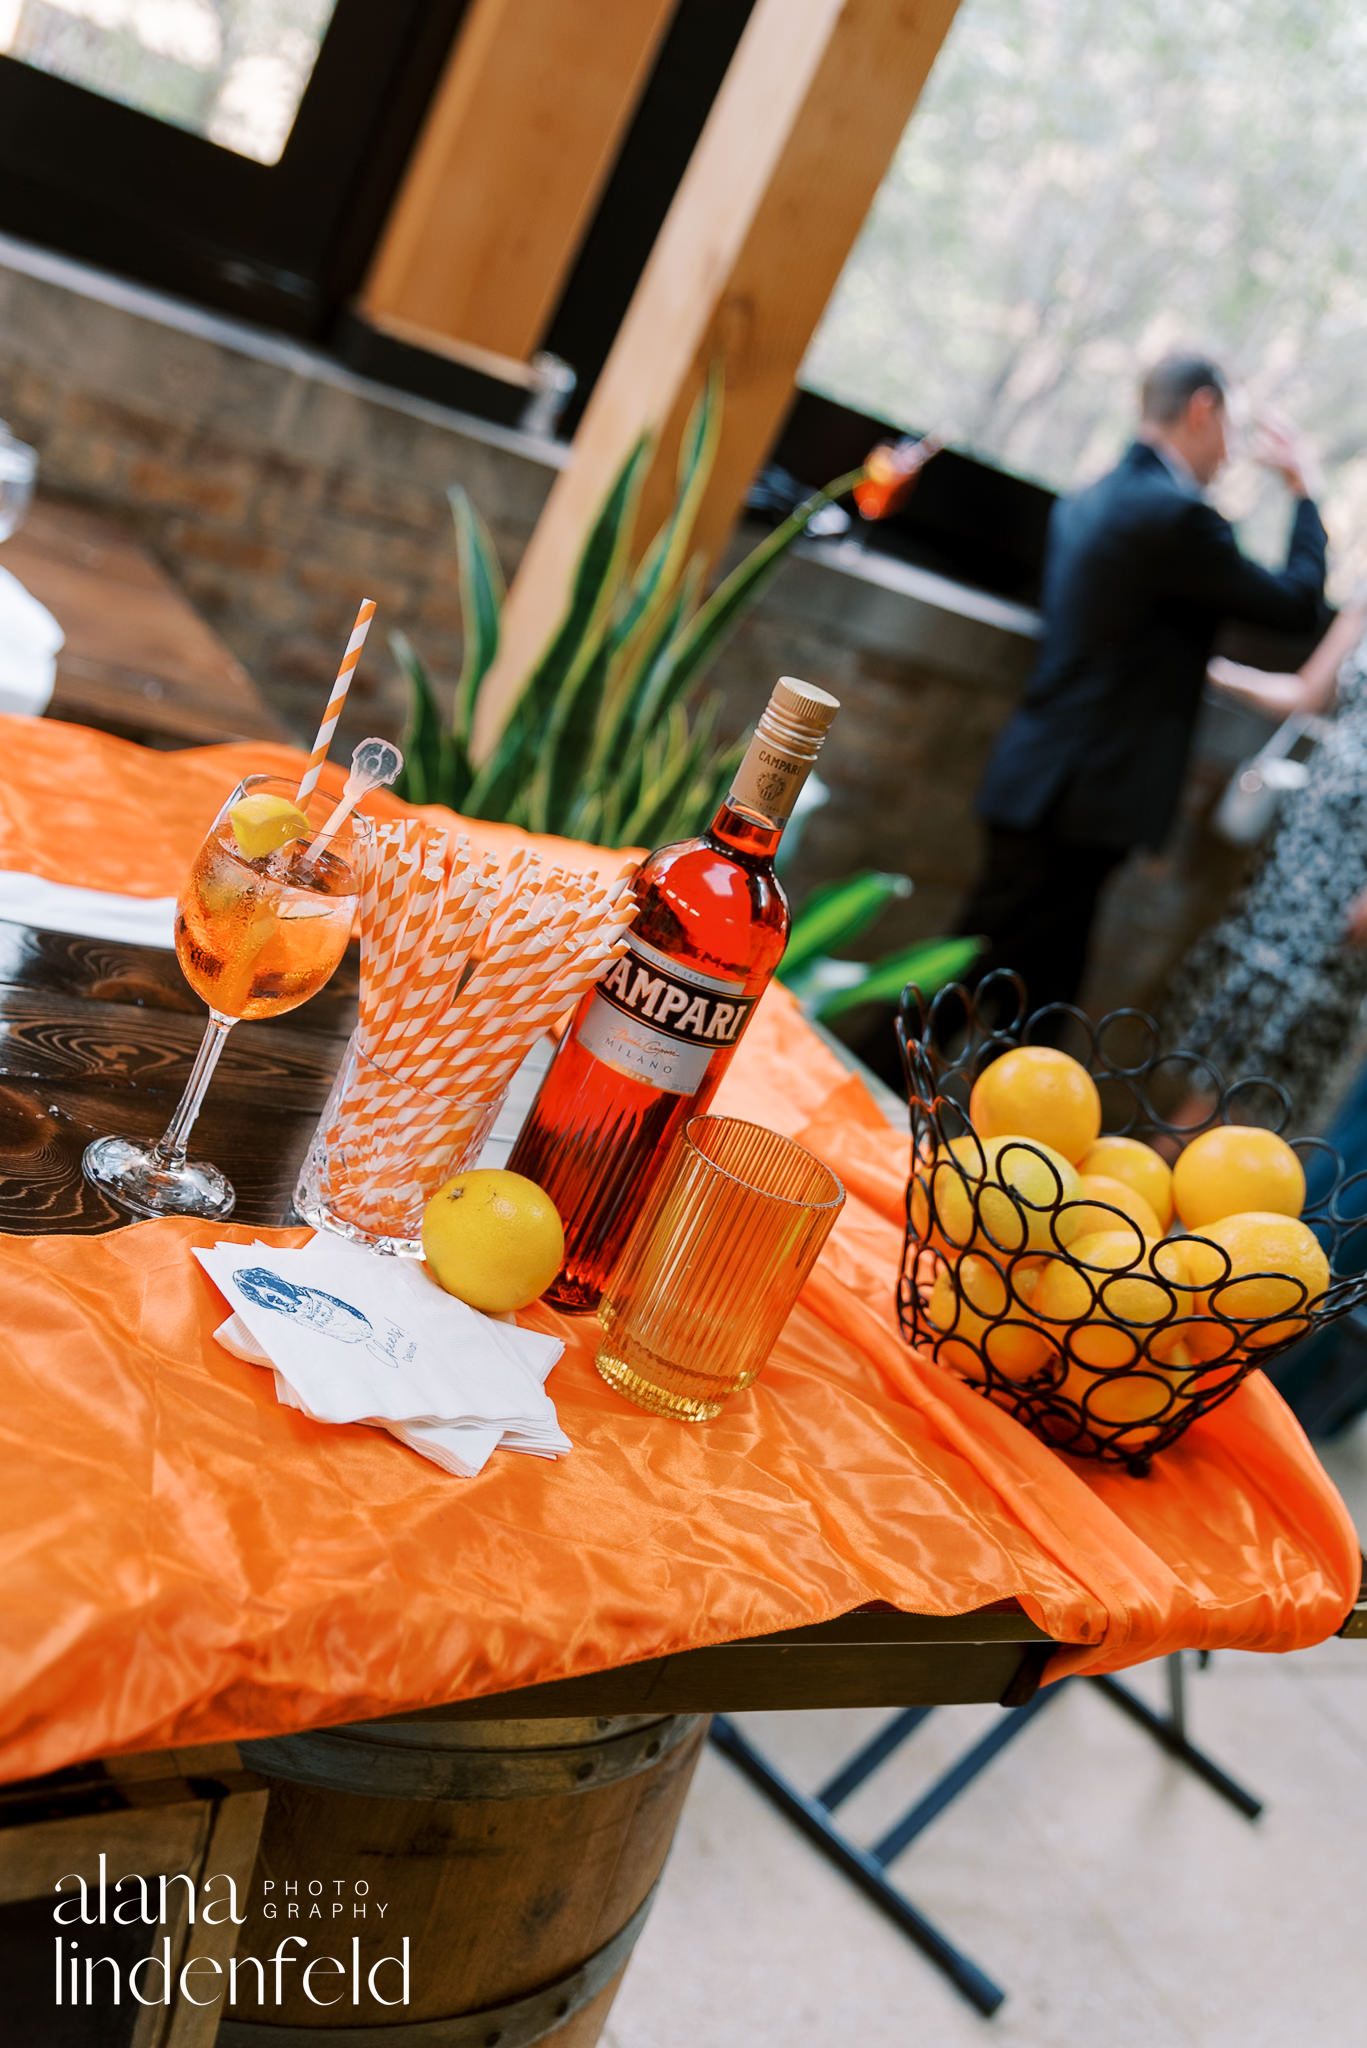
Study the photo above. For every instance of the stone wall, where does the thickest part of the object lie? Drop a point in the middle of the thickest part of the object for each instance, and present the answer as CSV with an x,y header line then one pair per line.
x,y
926,672
278,488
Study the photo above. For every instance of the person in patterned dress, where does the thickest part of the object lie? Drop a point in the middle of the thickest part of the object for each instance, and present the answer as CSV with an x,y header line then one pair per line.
x,y
1275,988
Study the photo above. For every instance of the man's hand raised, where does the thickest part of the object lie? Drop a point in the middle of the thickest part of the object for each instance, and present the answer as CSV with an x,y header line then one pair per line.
x,y
1276,444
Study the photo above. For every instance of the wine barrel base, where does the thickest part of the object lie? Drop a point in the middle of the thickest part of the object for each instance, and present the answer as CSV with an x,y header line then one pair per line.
x,y
515,1862
569,2013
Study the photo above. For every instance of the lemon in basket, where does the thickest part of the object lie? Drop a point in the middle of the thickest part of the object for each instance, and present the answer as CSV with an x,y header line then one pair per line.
x,y
1005,1193
1277,1268
965,1306
1036,1092
1233,1169
1109,1316
493,1239
1137,1165
1108,1309
1194,1337
1103,1196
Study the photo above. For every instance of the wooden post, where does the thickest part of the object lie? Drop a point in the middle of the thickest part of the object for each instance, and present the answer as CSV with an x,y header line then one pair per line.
x,y
506,173
807,120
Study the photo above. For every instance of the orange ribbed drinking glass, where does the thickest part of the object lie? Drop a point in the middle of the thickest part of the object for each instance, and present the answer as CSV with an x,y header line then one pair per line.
x,y
730,1230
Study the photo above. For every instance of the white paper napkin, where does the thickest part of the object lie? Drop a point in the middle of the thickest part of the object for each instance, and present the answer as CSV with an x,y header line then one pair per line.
x,y
93,913
355,1337
29,640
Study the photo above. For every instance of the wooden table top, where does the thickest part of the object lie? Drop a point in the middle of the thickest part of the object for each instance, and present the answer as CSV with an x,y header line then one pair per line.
x,y
138,659
98,1037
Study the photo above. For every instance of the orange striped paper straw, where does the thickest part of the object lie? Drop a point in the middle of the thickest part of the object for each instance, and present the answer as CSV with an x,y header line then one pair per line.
x,y
336,700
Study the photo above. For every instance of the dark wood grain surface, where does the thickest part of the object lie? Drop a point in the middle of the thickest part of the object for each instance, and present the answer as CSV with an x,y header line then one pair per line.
x,y
97,1036
138,659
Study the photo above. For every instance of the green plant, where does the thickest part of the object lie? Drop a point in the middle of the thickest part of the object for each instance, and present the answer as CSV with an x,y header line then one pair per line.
x,y
600,743
837,913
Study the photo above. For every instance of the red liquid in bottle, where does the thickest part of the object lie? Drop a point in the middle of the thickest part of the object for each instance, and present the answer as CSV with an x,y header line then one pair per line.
x,y
648,1047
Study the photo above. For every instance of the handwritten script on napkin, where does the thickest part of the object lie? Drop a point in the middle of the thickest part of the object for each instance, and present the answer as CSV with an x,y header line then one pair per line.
x,y
356,1337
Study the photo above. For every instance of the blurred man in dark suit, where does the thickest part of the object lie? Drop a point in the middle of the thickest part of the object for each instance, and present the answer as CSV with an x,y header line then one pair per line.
x,y
1139,574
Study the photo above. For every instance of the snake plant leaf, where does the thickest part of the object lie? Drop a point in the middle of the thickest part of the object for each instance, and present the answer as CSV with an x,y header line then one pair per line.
x,y
653,754
929,964
561,777
713,784
665,589
664,558
511,767
626,721
656,812
836,913
428,767
481,609
675,815
704,637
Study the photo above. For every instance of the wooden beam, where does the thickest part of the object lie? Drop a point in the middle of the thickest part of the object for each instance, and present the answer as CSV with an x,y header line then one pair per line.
x,y
507,171
808,118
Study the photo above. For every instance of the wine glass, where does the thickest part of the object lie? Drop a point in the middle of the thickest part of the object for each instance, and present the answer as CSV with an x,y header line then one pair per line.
x,y
18,468
255,936
890,474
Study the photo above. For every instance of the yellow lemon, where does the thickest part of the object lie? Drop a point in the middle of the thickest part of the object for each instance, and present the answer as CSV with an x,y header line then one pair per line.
x,y
1146,1395
1111,1307
1286,1271
960,1330
942,1191
1001,1192
1138,1165
966,1306
1037,1185
1235,1169
1036,1092
493,1239
1102,1197
1190,1266
263,823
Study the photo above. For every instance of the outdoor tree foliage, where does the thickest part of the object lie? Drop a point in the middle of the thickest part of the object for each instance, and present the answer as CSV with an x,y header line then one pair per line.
x,y
1089,182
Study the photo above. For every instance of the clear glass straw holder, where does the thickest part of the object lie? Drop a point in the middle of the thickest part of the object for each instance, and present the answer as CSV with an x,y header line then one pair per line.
x,y
383,1147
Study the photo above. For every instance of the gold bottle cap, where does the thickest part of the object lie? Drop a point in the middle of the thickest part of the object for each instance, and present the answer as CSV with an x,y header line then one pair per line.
x,y
797,716
804,703
787,740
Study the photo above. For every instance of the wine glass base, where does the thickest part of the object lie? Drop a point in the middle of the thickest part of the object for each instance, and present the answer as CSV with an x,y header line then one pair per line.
x,y
131,1175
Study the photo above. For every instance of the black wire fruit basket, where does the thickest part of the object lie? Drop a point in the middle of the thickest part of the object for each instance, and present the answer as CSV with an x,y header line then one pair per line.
x,y
1110,1360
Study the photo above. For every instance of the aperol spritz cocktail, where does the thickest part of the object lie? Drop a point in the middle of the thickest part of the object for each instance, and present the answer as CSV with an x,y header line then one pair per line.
x,y
256,937
261,924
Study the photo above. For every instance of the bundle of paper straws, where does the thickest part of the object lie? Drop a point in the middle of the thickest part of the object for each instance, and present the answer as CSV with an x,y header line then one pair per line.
x,y
464,964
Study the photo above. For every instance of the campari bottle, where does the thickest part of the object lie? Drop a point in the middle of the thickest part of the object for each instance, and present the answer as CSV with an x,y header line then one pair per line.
x,y
649,1045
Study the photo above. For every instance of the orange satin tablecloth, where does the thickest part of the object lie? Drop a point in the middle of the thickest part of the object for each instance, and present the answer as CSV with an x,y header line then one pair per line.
x,y
183,1560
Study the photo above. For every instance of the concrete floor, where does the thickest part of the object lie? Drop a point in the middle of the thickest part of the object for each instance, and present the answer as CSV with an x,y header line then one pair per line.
x,y
1119,1901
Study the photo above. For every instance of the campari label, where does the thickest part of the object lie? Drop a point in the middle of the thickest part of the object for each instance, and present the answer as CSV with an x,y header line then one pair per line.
x,y
661,1021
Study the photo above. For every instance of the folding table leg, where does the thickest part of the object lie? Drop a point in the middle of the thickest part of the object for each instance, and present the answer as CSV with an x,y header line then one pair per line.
x,y
959,1777
867,1868
865,1761
862,1869
1170,1731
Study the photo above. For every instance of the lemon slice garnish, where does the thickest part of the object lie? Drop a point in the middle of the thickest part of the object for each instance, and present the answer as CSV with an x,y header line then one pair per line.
x,y
263,823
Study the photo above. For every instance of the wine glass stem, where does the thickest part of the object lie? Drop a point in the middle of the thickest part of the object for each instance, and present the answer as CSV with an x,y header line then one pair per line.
x,y
171,1150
